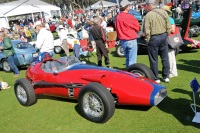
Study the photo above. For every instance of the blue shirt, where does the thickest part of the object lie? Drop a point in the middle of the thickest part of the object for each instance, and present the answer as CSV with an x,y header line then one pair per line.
x,y
171,20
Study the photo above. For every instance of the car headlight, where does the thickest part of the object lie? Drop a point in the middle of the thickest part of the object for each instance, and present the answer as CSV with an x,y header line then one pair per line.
x,y
160,96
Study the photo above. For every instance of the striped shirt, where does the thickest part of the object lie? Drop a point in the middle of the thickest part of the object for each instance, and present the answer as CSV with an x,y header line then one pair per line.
x,y
155,24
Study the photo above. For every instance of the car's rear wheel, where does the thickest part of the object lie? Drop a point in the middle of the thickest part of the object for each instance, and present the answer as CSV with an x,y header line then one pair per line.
x,y
141,70
96,103
5,65
57,49
24,92
119,50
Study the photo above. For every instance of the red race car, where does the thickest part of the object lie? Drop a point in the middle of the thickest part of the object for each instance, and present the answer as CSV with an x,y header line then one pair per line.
x,y
97,89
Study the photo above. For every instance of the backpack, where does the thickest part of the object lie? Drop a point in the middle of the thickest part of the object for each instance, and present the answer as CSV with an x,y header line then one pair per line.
x,y
27,33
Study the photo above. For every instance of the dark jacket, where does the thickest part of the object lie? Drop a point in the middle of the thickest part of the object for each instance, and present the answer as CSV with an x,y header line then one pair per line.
x,y
97,33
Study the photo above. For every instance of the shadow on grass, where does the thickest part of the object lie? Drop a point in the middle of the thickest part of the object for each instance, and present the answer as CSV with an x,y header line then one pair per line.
x,y
62,99
125,107
189,65
133,107
180,108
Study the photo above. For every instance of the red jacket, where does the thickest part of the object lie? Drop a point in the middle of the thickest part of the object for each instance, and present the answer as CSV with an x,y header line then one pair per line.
x,y
126,26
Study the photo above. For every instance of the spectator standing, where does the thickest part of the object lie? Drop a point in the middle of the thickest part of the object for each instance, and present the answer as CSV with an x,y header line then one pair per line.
x,y
62,33
157,27
78,27
127,27
173,8
103,24
15,35
33,32
22,34
9,53
99,37
28,34
171,53
44,39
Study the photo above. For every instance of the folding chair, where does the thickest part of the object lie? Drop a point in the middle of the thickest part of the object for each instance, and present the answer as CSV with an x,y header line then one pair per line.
x,y
85,49
195,87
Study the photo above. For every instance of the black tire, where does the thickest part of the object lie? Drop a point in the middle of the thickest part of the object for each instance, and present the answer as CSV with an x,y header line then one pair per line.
x,y
142,70
70,35
58,49
190,34
120,51
92,96
24,92
195,30
5,65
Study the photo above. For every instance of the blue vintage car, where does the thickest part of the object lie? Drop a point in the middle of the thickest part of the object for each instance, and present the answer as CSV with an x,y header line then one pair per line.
x,y
24,53
136,14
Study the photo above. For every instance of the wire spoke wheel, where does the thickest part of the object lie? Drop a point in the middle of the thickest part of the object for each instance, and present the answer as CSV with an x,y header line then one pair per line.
x,y
93,105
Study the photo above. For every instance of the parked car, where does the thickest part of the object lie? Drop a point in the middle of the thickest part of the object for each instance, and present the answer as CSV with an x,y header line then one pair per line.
x,y
189,43
97,89
57,43
24,53
136,14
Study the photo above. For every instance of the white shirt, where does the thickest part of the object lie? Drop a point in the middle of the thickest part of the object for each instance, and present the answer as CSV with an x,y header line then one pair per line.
x,y
104,24
62,34
45,41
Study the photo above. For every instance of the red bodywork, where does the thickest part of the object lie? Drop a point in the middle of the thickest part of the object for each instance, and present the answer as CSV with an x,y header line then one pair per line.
x,y
127,88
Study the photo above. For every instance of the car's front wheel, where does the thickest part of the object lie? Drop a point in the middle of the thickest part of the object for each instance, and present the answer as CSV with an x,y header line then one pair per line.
x,y
119,50
5,65
141,70
96,103
24,92
57,49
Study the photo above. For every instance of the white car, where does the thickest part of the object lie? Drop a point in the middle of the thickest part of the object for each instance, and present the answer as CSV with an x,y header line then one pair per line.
x,y
57,43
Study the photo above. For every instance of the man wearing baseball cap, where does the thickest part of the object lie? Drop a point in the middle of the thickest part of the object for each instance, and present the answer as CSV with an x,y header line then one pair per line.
x,y
44,39
127,27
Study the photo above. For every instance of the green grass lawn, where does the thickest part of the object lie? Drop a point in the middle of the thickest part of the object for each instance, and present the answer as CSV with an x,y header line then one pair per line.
x,y
60,115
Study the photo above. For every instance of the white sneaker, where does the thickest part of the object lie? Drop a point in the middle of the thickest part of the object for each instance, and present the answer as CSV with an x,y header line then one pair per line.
x,y
166,80
157,81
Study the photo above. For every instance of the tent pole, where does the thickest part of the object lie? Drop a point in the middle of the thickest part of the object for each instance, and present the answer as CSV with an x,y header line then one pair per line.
x,y
117,2
32,18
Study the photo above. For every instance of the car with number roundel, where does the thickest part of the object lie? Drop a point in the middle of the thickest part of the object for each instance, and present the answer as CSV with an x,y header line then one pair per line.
x,y
97,89
24,53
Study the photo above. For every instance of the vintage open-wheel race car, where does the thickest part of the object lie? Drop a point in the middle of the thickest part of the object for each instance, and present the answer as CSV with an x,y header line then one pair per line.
x,y
97,89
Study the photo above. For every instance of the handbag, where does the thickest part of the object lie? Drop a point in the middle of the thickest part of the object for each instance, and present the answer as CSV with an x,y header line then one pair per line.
x,y
175,40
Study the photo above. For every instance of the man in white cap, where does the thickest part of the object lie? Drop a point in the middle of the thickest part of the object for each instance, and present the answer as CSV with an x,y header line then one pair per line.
x,y
44,39
127,27
157,27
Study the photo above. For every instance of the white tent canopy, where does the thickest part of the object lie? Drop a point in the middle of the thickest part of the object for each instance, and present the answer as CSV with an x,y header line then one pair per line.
x,y
98,4
26,7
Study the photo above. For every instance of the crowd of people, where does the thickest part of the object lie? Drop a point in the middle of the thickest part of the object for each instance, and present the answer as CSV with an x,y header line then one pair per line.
x,y
157,25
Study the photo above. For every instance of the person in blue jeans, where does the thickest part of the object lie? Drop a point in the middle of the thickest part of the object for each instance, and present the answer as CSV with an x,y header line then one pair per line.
x,y
127,27
9,53
130,48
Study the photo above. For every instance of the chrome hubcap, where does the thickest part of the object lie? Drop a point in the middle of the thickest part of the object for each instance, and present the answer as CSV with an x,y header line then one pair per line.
x,y
93,105
6,66
21,94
